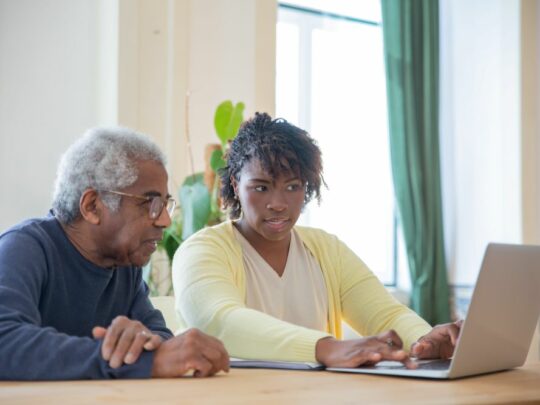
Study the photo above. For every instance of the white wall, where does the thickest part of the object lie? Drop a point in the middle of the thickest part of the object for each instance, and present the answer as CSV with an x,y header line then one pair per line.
x,y
480,129
47,96
530,119
231,56
67,65
212,49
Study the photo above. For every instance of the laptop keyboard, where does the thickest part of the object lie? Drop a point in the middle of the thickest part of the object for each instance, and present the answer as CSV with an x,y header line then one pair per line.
x,y
434,365
422,365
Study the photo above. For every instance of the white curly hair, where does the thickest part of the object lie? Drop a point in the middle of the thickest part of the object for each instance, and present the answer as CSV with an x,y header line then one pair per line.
x,y
102,159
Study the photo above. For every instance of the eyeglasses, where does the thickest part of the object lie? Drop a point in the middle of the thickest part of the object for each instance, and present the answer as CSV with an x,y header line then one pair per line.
x,y
156,203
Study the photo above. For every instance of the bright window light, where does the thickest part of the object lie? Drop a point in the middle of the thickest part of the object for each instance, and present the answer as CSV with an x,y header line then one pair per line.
x,y
331,81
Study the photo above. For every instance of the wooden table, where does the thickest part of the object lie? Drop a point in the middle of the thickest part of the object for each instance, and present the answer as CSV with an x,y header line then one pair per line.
x,y
279,386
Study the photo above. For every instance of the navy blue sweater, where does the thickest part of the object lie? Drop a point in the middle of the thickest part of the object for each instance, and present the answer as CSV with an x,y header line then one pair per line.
x,y
50,299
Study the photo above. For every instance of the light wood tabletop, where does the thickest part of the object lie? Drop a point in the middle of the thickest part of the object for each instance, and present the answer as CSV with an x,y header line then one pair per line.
x,y
521,385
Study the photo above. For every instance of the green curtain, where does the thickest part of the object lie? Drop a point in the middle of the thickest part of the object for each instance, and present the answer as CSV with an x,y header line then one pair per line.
x,y
411,42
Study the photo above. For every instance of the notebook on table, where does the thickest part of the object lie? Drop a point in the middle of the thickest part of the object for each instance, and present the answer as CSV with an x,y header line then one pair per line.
x,y
500,323
282,365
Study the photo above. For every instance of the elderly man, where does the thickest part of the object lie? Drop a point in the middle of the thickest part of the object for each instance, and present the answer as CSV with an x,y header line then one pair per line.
x,y
73,304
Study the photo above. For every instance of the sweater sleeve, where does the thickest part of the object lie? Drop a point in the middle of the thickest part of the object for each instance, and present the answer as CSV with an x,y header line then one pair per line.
x,y
208,297
30,351
143,311
368,307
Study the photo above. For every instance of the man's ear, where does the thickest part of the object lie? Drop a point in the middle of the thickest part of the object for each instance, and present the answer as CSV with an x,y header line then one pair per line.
x,y
91,206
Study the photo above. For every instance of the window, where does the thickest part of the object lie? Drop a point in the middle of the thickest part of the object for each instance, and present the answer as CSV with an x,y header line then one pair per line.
x,y
331,81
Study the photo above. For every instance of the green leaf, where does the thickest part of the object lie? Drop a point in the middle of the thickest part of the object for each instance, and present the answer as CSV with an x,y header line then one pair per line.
x,y
171,245
227,120
195,205
193,179
216,160
222,118
172,238
236,120
215,210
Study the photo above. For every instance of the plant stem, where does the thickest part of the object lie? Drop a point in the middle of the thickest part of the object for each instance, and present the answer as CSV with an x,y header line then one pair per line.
x,y
188,138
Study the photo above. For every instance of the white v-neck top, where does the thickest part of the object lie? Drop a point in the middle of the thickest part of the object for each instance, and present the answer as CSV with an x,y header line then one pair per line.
x,y
299,296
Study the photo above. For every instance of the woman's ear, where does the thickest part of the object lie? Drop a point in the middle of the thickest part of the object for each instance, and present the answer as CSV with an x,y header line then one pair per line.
x,y
91,206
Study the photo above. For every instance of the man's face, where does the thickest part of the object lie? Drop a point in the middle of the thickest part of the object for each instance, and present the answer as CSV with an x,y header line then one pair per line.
x,y
129,236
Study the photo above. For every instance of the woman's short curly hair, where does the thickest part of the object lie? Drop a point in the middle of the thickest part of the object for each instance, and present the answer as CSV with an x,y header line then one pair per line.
x,y
279,147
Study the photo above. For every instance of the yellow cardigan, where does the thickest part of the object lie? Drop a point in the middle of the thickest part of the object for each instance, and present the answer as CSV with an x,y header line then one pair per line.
x,y
210,289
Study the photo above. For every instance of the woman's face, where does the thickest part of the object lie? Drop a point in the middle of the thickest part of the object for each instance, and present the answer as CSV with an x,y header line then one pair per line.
x,y
270,206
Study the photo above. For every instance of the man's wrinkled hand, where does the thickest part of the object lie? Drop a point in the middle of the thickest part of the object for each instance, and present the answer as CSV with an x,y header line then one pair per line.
x,y
194,351
124,340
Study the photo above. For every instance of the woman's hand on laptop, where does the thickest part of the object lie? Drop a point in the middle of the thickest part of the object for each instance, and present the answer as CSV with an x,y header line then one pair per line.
x,y
363,351
439,343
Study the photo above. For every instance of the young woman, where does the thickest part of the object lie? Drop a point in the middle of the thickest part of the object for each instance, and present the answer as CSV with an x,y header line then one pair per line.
x,y
272,290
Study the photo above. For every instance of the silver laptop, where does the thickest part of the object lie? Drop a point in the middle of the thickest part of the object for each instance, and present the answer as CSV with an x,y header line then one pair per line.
x,y
500,323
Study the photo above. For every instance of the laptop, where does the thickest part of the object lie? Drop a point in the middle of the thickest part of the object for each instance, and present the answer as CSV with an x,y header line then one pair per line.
x,y
500,322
